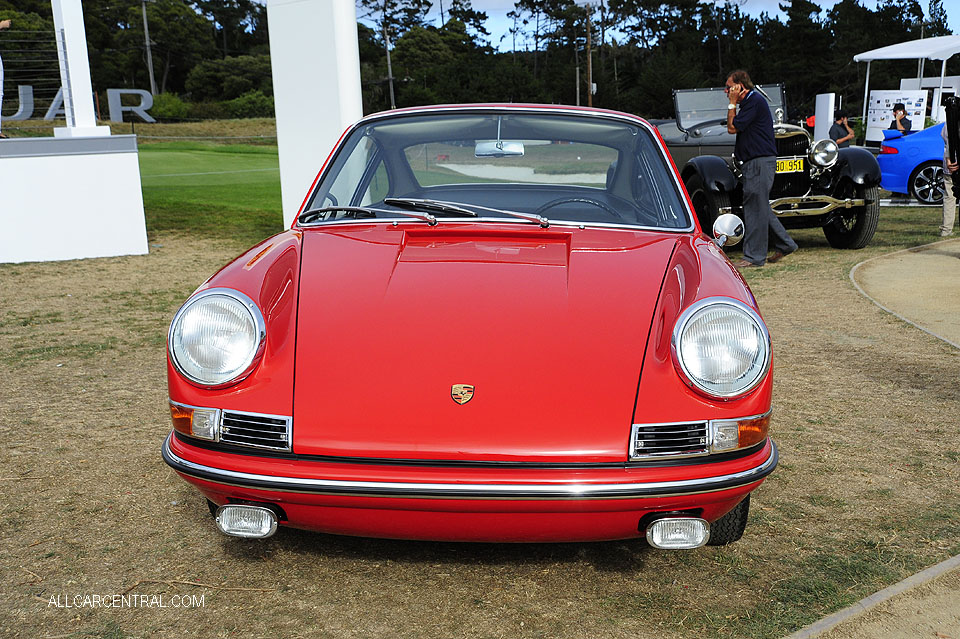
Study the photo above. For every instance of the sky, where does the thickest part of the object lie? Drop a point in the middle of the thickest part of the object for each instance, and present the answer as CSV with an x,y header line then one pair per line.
x,y
498,24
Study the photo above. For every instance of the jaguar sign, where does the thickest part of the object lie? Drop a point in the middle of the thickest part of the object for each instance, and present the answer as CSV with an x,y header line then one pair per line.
x,y
114,102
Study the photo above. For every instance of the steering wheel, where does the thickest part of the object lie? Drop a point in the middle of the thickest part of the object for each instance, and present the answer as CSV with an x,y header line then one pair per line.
x,y
585,200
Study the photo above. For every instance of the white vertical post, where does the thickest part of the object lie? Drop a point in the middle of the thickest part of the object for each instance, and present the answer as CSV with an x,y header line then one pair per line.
x,y
866,96
75,72
938,107
316,84
823,115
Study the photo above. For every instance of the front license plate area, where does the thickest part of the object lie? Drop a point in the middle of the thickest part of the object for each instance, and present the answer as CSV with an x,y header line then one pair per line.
x,y
789,165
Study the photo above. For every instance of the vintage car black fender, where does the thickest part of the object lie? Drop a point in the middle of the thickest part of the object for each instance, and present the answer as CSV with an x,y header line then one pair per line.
x,y
714,172
859,165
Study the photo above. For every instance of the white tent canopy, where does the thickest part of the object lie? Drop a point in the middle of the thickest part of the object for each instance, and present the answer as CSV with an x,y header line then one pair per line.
x,y
939,48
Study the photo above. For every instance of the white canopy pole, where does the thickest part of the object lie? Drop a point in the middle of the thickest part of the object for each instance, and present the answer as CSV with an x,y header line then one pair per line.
x,y
943,72
866,95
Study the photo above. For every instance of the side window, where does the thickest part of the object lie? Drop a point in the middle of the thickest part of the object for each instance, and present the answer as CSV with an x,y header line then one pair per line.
x,y
378,188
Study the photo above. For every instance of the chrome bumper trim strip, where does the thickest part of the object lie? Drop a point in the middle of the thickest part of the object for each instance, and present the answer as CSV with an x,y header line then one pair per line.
x,y
808,205
805,205
414,490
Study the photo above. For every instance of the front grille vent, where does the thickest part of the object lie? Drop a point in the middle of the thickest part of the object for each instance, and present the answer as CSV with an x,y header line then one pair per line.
x,y
795,144
791,184
256,430
669,440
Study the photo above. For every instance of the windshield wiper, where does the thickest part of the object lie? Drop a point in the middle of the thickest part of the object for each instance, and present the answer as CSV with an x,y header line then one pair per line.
x,y
428,205
449,207
313,214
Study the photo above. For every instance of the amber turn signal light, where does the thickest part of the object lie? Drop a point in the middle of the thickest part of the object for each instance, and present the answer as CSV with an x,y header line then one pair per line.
x,y
753,431
195,422
182,418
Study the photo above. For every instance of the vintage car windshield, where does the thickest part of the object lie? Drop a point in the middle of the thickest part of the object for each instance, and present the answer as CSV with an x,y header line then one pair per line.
x,y
565,167
695,107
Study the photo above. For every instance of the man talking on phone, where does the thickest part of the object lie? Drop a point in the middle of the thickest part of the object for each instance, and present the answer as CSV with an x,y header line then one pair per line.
x,y
748,116
900,120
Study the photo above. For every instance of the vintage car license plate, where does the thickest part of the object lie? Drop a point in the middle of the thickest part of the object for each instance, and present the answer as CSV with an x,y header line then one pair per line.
x,y
790,165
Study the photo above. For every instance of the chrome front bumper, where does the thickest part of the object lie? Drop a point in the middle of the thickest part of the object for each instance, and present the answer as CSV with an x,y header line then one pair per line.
x,y
500,491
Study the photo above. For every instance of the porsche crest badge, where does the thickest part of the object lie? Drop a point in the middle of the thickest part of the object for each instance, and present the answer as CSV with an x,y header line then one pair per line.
x,y
461,393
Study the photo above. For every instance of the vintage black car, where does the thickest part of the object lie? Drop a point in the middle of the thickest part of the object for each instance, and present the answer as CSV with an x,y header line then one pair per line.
x,y
817,184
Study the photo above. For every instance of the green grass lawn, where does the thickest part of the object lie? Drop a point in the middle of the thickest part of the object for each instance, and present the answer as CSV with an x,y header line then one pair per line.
x,y
225,190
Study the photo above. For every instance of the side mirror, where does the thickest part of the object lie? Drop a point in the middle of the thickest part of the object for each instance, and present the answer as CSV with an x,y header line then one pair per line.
x,y
728,230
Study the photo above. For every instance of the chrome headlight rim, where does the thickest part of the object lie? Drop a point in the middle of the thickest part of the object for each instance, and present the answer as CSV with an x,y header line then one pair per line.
x,y
691,380
833,150
260,327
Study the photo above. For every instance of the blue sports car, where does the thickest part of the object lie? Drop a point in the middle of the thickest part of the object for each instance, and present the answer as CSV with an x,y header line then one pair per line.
x,y
913,164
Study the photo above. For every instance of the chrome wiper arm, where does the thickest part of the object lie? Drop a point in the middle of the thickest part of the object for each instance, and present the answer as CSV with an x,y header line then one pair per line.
x,y
303,217
530,217
428,205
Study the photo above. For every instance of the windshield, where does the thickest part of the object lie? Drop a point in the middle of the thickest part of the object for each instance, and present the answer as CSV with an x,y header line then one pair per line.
x,y
563,167
695,107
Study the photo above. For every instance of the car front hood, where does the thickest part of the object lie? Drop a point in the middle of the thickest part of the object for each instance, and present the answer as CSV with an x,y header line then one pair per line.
x,y
548,327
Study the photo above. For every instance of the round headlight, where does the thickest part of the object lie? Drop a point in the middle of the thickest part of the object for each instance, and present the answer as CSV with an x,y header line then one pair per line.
x,y
216,336
824,153
722,347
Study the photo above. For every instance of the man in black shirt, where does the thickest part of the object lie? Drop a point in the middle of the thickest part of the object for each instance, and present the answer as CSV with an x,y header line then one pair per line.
x,y
900,121
756,148
840,131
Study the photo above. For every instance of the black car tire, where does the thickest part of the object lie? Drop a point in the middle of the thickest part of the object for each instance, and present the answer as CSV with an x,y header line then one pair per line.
x,y
706,203
730,527
926,183
855,229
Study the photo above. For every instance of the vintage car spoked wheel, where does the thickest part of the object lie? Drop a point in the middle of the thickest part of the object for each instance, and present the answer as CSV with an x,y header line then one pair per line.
x,y
854,228
926,183
730,527
706,204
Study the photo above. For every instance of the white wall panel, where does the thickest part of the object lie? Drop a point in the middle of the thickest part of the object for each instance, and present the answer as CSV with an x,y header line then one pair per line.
x,y
76,204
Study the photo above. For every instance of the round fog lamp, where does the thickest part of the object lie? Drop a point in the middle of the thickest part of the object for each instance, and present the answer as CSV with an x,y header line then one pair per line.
x,y
824,153
678,533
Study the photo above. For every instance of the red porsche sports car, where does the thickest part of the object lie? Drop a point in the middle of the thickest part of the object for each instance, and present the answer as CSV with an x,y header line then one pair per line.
x,y
487,323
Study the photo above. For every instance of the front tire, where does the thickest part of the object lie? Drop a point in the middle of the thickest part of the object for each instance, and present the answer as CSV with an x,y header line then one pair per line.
x,y
854,228
926,183
706,203
730,527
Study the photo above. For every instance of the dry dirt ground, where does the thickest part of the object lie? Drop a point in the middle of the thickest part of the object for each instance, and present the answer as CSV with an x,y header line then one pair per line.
x,y
867,491
920,285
